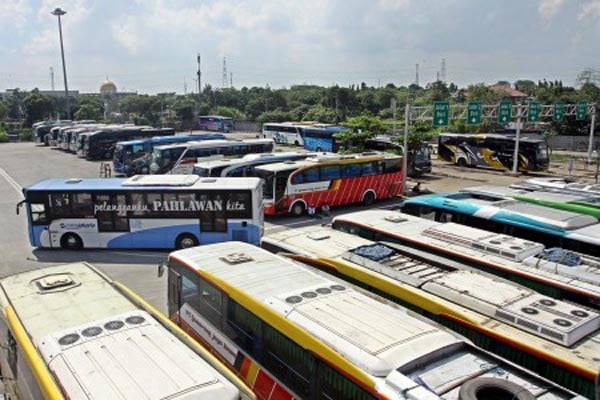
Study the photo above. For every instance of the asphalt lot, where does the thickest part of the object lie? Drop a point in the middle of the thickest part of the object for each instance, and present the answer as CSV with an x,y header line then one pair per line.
x,y
22,164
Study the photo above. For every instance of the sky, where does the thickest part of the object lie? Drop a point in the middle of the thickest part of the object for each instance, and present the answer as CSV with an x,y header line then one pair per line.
x,y
151,46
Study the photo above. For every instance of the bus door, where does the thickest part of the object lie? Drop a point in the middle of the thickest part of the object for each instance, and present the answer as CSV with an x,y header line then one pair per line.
x,y
111,213
174,293
279,188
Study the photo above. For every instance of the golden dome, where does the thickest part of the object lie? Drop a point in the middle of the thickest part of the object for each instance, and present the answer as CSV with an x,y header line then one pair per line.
x,y
108,87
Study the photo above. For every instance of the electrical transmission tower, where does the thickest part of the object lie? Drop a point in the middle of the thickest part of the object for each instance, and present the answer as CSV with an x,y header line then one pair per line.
x,y
224,73
417,75
444,70
52,78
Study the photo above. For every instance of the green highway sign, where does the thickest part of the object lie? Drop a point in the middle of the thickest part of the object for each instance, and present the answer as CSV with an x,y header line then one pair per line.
x,y
504,112
559,111
533,114
581,111
441,113
474,113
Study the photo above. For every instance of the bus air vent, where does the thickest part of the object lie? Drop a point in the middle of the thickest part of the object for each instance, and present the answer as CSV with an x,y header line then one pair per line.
x,y
55,282
395,218
293,299
338,287
236,258
318,236
73,180
208,180
91,331
68,339
114,325
135,320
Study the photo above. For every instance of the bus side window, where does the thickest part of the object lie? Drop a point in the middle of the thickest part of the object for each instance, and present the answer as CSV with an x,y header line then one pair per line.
x,y
442,216
333,385
12,355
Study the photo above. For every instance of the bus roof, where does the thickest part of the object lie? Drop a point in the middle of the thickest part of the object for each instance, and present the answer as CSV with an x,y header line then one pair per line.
x,y
535,195
325,158
379,340
172,138
144,182
98,344
249,159
210,143
500,136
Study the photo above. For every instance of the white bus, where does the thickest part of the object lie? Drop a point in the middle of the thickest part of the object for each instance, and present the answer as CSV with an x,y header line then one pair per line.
x,y
554,338
287,133
288,330
180,158
244,166
71,332
144,211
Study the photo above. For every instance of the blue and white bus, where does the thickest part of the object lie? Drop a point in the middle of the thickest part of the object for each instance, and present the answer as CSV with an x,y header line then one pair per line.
x,y
553,228
147,212
321,137
216,123
133,157
287,133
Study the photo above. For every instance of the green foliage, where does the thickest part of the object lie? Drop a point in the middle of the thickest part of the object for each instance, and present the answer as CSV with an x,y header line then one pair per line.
x,y
481,92
3,136
230,112
360,129
26,135
37,107
88,111
184,108
274,116
321,114
3,110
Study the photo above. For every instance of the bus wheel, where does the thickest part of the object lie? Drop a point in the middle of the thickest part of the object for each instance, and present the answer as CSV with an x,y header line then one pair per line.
x,y
185,241
368,198
71,241
144,171
493,388
319,149
298,209
461,162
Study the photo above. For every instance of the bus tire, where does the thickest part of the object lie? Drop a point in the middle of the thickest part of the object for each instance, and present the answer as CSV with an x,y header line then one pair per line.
x,y
319,149
144,171
185,241
298,209
71,241
485,388
296,143
461,162
368,198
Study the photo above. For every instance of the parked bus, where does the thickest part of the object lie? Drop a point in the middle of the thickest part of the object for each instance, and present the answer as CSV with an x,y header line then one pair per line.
x,y
101,144
286,133
293,333
332,179
555,272
71,332
493,150
560,184
144,211
529,221
322,137
42,128
419,157
562,349
180,158
244,166
133,157
216,123
577,203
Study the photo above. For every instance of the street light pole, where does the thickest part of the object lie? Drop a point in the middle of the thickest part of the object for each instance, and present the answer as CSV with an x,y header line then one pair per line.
x,y
59,12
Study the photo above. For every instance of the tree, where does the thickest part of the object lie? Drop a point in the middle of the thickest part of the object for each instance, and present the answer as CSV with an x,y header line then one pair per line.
x,y
482,93
184,108
230,112
3,111
88,111
526,86
588,75
321,114
361,129
37,107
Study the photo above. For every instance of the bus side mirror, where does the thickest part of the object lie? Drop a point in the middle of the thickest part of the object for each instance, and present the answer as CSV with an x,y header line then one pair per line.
x,y
161,267
19,204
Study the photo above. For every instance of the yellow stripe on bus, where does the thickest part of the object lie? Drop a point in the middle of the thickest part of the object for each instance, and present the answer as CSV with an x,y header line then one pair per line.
x,y
295,333
42,375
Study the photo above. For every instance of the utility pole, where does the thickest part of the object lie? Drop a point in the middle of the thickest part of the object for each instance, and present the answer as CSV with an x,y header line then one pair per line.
x,y
405,155
199,73
184,86
591,141
231,79
516,152
58,12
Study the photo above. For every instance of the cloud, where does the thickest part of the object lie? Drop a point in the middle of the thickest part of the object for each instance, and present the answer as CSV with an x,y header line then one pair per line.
x,y
14,13
127,33
590,10
547,9
393,4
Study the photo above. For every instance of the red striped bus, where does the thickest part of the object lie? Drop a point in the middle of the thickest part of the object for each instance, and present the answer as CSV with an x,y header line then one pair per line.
x,y
332,179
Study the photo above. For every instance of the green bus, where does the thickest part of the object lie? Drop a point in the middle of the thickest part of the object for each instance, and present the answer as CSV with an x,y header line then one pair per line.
x,y
581,204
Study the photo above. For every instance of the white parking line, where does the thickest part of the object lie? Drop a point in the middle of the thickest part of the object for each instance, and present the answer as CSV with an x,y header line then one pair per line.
x,y
11,181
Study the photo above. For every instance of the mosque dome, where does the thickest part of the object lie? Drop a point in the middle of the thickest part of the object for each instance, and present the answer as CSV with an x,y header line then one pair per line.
x,y
108,87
